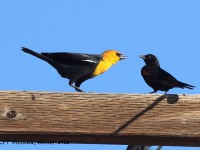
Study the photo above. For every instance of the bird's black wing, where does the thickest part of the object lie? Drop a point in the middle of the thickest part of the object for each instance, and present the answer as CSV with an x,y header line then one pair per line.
x,y
74,65
166,79
74,58
171,81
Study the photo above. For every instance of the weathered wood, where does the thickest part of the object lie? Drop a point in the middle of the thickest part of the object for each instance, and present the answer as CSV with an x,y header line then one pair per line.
x,y
100,118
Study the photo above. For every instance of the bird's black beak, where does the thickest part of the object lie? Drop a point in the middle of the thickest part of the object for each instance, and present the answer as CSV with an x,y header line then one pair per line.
x,y
142,56
122,56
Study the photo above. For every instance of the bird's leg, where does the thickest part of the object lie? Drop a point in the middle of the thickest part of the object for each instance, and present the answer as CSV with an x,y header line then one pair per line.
x,y
75,87
166,92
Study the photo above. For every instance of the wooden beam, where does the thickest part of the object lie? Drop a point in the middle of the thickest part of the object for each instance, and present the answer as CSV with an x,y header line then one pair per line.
x,y
100,118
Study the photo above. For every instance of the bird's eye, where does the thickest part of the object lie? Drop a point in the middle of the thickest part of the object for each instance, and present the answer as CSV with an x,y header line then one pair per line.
x,y
118,54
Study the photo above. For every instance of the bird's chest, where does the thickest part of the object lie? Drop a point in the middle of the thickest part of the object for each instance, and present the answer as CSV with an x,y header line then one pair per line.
x,y
101,68
149,71
149,74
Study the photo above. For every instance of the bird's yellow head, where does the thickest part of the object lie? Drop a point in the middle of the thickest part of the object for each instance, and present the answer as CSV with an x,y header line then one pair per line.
x,y
109,58
112,56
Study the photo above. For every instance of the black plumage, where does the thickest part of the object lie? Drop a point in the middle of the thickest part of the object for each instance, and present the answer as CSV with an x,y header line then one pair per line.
x,y
157,78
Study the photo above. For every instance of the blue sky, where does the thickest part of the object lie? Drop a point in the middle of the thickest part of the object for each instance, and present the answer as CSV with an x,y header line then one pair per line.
x,y
169,29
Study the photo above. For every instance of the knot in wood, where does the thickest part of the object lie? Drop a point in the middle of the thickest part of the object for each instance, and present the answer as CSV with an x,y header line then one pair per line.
x,y
11,114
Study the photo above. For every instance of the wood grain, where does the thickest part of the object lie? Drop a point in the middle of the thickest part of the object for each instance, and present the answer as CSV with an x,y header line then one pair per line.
x,y
100,118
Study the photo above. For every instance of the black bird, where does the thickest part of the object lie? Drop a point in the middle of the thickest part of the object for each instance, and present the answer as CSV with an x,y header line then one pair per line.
x,y
78,67
157,78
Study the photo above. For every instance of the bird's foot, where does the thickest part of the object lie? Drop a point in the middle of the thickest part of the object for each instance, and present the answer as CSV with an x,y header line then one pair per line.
x,y
76,88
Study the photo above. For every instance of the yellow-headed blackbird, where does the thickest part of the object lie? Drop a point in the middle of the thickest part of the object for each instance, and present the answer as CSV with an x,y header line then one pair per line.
x,y
157,78
78,67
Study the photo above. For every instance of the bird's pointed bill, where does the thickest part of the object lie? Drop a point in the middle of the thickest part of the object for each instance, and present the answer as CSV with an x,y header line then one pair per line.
x,y
142,56
122,56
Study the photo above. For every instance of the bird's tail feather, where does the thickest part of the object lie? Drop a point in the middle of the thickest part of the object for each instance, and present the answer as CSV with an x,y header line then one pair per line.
x,y
185,85
38,55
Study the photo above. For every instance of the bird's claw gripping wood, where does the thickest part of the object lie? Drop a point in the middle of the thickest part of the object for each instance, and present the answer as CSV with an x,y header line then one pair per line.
x,y
76,88
79,90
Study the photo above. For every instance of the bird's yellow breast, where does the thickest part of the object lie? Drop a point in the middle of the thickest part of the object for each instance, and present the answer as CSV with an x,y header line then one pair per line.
x,y
109,58
102,67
